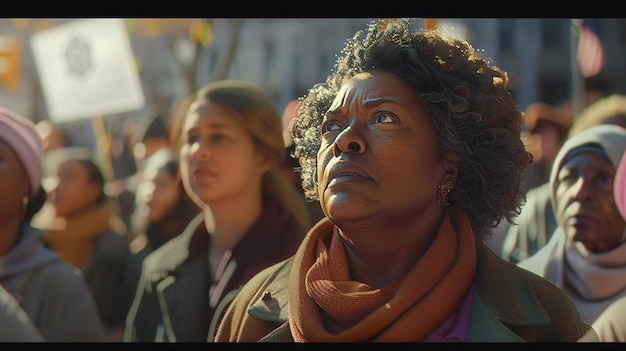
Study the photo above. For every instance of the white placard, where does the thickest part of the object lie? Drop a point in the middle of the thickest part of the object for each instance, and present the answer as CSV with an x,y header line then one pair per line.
x,y
87,69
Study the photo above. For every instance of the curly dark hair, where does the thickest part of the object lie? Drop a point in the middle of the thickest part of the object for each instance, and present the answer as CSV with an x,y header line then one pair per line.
x,y
469,103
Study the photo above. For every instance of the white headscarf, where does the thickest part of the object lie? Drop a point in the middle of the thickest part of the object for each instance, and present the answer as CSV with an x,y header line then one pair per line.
x,y
611,138
593,280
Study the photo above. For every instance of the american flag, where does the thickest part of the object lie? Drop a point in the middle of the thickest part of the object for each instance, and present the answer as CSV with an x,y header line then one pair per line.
x,y
590,53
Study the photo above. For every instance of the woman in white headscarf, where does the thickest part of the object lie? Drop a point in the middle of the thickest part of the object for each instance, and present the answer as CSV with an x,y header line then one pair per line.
x,y
586,255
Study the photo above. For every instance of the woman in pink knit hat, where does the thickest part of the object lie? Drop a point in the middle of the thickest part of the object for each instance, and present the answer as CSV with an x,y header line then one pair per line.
x,y
52,293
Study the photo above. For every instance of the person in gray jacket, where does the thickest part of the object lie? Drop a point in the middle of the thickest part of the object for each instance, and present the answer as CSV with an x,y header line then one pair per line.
x,y
16,325
52,293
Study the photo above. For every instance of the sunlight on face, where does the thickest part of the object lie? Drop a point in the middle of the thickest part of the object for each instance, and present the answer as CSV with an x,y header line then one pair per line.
x,y
585,206
219,158
378,144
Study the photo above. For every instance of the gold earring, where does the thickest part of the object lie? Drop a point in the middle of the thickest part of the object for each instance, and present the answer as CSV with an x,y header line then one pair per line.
x,y
25,200
442,194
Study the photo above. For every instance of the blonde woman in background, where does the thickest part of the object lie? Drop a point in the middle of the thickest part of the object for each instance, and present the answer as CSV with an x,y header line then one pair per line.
x,y
252,217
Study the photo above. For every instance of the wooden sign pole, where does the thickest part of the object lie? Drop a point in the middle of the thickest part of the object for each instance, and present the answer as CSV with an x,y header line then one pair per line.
x,y
103,147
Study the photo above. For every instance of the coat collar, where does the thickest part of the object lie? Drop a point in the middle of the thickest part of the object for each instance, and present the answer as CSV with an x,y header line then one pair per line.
x,y
506,291
503,297
171,254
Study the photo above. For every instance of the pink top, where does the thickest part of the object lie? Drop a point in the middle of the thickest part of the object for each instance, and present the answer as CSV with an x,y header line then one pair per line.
x,y
455,328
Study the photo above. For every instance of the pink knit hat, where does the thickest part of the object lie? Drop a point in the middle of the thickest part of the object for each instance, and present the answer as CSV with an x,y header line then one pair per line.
x,y
20,134
619,186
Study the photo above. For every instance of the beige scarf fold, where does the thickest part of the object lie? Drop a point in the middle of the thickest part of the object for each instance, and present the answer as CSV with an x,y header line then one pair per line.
x,y
595,276
74,237
408,309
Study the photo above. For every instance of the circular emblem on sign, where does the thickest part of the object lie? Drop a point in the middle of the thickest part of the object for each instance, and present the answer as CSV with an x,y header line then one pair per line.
x,y
78,57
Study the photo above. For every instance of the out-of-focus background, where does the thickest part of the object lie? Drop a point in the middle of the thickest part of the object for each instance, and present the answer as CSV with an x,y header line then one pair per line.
x,y
175,56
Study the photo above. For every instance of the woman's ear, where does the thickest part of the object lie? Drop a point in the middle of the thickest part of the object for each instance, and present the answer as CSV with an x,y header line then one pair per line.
x,y
264,159
452,165
93,192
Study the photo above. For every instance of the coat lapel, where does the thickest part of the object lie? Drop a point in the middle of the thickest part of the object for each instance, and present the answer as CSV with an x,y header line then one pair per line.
x,y
502,297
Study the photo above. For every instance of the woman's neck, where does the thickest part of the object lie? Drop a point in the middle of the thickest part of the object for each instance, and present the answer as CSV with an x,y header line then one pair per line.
x,y
9,232
233,219
375,259
173,224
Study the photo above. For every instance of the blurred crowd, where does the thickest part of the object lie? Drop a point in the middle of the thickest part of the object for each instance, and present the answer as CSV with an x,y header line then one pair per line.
x,y
102,229
218,230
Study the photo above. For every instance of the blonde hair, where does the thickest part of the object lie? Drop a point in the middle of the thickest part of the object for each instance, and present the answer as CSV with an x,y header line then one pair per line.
x,y
256,112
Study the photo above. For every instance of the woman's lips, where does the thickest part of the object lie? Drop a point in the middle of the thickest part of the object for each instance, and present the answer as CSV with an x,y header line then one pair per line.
x,y
581,221
346,173
200,173
343,178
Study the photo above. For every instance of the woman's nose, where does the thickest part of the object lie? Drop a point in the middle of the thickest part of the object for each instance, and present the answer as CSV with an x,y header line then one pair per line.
x,y
348,141
199,151
583,189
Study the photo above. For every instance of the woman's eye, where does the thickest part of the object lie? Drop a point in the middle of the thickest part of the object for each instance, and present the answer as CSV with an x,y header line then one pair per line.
x,y
384,117
191,139
567,177
605,180
329,126
216,138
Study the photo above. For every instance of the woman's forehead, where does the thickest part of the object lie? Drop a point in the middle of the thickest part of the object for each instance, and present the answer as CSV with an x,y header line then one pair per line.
x,y
212,115
586,158
367,88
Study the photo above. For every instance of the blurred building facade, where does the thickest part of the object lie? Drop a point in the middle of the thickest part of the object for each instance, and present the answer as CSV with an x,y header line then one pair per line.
x,y
288,56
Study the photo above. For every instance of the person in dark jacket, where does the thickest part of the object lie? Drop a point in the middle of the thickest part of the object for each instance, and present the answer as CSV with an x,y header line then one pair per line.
x,y
88,234
162,210
252,217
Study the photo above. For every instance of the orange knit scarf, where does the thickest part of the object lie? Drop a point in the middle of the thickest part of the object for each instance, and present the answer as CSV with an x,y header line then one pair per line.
x,y
407,310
